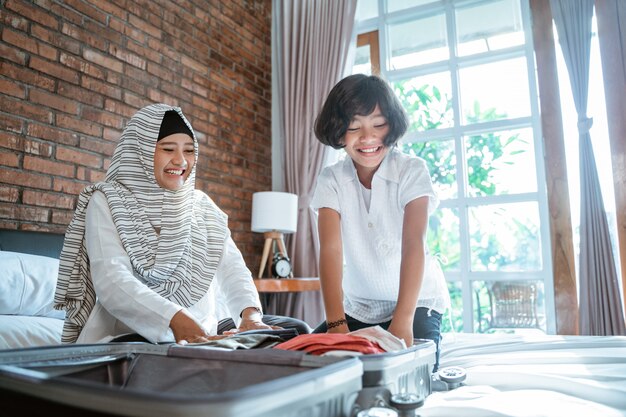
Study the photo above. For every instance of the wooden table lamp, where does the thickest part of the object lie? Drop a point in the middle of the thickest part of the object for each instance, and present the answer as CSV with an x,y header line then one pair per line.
x,y
274,214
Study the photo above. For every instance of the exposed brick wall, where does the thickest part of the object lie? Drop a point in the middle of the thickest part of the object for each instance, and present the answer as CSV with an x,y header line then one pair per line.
x,y
73,72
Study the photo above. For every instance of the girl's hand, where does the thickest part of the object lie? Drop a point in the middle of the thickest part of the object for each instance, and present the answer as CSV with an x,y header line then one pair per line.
x,y
402,331
343,328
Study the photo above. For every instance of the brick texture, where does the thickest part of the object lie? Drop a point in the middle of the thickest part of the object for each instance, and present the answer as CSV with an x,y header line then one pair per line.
x,y
72,73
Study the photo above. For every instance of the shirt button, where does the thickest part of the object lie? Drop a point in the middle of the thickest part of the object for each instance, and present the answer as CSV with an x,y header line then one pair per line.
x,y
370,225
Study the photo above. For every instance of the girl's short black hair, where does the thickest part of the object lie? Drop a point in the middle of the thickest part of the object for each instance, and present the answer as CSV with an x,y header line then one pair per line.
x,y
358,95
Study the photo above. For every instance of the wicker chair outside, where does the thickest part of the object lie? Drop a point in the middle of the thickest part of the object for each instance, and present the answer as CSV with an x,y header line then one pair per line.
x,y
513,305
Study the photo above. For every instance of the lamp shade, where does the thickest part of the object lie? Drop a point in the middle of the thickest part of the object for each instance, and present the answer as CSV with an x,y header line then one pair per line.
x,y
274,211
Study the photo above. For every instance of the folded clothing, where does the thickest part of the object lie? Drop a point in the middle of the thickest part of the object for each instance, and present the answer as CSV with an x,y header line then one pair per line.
x,y
243,341
385,340
321,343
284,334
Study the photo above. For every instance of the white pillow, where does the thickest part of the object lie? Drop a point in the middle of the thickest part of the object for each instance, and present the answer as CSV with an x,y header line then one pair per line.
x,y
27,284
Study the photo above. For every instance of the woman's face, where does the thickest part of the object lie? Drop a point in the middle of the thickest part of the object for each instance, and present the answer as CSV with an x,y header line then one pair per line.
x,y
173,160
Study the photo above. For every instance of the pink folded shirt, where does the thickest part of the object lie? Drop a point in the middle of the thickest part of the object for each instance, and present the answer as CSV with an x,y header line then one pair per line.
x,y
320,343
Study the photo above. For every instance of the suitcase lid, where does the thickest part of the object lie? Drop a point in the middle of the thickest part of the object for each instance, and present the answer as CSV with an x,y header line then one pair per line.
x,y
175,380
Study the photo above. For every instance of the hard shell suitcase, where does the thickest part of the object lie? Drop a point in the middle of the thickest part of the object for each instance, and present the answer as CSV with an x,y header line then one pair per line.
x,y
402,374
140,379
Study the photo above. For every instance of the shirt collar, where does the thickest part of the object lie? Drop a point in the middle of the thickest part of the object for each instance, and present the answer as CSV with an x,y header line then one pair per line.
x,y
387,170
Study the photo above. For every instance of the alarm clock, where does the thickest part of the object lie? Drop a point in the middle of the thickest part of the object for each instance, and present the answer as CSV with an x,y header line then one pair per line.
x,y
281,266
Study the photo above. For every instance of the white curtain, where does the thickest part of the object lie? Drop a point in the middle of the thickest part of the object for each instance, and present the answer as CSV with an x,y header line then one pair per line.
x,y
310,48
600,304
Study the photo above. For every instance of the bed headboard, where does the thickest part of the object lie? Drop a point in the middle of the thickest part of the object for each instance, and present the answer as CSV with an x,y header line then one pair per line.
x,y
36,243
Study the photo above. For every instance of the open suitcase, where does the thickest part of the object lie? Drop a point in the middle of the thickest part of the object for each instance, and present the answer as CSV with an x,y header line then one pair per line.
x,y
139,379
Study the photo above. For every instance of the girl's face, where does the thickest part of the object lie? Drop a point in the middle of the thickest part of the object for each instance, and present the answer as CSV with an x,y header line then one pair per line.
x,y
173,160
364,140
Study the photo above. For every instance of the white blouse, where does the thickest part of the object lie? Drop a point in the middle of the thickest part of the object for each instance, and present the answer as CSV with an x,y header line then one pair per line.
x,y
125,304
372,238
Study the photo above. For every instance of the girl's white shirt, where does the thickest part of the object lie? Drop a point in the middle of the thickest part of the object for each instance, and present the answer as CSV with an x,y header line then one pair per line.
x,y
372,238
126,305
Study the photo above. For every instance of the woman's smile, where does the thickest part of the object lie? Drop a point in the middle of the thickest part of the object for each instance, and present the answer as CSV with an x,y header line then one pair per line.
x,y
174,157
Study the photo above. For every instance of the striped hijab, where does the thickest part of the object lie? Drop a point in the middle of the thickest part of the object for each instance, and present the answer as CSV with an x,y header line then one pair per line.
x,y
179,263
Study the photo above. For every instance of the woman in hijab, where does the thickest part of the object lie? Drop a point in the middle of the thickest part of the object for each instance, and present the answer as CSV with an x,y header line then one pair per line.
x,y
147,253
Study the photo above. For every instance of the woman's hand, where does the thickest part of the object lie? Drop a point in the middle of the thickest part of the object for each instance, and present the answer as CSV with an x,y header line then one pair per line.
x,y
187,330
250,320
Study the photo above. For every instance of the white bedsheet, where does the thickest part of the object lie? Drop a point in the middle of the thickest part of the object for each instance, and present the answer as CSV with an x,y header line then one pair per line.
x,y
532,376
28,331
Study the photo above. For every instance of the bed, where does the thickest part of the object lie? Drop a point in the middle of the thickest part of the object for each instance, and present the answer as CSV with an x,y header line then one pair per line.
x,y
27,316
507,374
28,270
533,375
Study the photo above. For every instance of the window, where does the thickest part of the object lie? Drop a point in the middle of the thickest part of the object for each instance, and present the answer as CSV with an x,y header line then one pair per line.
x,y
465,73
